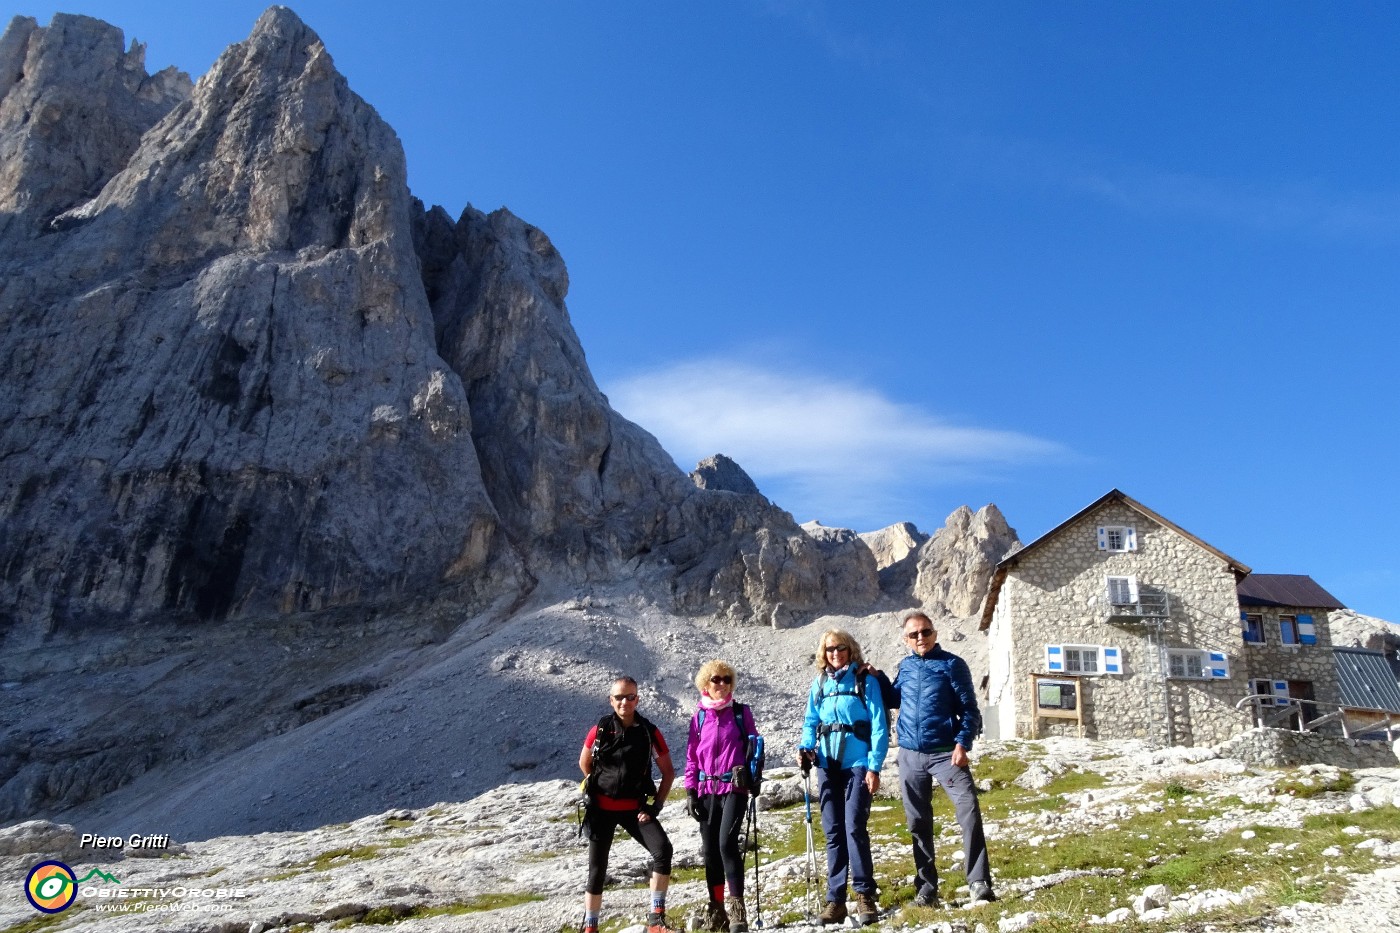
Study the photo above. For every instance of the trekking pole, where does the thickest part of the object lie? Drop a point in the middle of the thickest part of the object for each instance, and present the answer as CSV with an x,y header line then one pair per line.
x,y
757,855
811,847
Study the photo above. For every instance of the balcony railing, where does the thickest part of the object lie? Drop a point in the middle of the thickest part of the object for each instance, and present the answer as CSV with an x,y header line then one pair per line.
x,y
1276,712
1149,607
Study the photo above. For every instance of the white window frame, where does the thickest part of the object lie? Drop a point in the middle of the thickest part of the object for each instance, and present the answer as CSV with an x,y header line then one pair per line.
x,y
1258,619
1187,656
1213,665
1131,587
1078,655
1107,660
1284,622
1125,535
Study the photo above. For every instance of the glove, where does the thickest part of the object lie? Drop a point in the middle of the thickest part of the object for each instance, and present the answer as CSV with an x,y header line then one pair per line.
x,y
653,809
692,805
806,757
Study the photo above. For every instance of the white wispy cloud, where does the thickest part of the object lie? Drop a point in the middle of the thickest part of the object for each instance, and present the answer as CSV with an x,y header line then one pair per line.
x,y
1307,206
817,446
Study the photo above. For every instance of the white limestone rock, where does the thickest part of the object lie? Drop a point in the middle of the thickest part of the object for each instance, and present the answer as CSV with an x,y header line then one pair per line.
x,y
893,543
954,567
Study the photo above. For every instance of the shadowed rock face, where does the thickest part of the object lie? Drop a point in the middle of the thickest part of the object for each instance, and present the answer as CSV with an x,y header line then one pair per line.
x,y
223,395
247,375
581,491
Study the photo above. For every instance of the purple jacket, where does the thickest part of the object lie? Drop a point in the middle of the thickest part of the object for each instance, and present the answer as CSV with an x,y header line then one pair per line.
x,y
716,748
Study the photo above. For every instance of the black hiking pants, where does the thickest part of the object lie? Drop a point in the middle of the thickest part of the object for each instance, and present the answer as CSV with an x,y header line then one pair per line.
x,y
602,826
721,820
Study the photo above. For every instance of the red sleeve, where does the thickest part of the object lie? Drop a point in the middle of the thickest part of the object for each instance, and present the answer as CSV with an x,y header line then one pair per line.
x,y
660,743
592,734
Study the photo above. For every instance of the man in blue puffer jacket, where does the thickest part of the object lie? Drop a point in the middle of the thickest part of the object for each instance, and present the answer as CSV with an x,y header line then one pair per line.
x,y
938,720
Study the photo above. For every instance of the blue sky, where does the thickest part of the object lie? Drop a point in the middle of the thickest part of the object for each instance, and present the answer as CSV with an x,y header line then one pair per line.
x,y
896,258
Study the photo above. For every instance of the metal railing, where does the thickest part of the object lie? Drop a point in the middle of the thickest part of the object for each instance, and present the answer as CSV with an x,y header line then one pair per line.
x,y
1274,711
1150,606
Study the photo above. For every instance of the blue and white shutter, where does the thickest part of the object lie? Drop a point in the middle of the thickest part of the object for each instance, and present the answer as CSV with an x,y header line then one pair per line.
x,y
1112,660
1103,538
1217,665
1281,692
1307,632
1055,659
1130,538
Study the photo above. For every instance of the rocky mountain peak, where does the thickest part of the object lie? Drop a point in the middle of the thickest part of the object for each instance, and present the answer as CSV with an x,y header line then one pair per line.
x,y
720,472
74,102
946,573
956,564
893,543
248,374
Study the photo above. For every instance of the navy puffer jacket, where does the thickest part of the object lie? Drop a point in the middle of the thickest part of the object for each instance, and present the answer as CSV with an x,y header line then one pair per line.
x,y
937,705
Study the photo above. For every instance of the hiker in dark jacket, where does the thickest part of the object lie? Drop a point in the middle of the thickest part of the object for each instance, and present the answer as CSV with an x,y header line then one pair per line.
x,y
616,761
938,721
845,733
717,784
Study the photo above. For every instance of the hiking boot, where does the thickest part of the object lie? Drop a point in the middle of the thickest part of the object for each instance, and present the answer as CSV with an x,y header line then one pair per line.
x,y
715,917
927,899
656,923
738,916
867,908
833,912
979,892
589,928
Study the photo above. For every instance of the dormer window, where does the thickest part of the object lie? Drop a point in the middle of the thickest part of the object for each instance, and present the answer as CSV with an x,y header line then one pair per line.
x,y
1117,538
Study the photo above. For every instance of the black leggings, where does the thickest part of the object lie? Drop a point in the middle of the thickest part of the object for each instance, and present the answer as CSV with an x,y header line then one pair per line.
x,y
602,824
721,820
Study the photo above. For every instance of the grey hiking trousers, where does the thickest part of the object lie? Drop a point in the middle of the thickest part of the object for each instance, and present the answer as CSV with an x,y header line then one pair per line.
x,y
916,773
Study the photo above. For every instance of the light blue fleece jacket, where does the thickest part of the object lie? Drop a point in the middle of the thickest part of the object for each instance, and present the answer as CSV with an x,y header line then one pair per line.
x,y
834,699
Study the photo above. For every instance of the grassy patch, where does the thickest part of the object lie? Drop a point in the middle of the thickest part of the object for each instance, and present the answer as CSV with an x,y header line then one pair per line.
x,y
394,913
42,922
1001,770
328,860
1315,784
1075,781
403,842
1175,790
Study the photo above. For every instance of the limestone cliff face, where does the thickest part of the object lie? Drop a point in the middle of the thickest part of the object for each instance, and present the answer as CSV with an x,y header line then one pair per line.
x,y
580,490
245,374
73,105
952,569
222,391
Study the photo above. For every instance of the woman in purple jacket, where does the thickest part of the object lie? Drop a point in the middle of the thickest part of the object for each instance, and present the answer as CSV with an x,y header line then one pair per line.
x,y
717,790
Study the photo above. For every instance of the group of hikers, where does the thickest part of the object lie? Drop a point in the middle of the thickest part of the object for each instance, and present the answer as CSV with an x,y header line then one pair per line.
x,y
845,738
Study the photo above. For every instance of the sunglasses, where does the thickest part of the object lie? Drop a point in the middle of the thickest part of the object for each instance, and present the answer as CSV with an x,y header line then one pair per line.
x,y
625,697
830,648
721,679
919,633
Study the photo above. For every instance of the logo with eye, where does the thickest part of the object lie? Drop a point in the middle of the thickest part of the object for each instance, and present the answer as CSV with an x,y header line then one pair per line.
x,y
51,887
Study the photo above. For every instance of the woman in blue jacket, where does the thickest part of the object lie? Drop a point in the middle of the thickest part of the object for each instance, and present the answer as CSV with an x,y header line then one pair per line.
x,y
846,735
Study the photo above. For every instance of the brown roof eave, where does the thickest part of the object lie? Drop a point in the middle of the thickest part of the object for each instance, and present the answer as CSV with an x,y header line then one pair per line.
x,y
989,604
